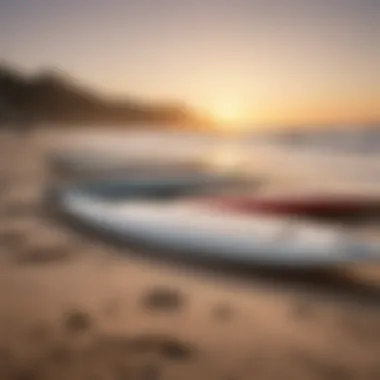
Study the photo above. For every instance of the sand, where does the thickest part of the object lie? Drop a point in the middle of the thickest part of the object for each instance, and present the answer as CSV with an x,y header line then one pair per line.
x,y
75,307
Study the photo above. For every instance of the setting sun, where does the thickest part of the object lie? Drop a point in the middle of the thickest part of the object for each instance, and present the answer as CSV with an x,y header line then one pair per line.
x,y
227,112
228,115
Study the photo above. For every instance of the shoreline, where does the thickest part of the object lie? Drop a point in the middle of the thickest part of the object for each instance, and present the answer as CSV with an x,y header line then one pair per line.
x,y
73,307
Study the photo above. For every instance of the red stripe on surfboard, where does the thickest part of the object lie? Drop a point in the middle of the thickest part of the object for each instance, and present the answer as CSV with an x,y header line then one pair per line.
x,y
307,206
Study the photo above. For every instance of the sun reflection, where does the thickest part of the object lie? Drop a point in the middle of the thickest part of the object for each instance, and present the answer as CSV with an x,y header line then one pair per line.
x,y
226,158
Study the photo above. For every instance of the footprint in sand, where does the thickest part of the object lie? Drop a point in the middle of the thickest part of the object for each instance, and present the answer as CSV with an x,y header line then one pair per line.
x,y
301,309
163,299
77,322
223,312
167,346
43,255
136,357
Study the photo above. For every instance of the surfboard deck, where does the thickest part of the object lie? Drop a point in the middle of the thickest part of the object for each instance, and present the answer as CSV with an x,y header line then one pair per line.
x,y
190,229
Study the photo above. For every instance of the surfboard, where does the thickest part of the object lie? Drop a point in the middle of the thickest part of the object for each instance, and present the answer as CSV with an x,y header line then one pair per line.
x,y
188,228
92,165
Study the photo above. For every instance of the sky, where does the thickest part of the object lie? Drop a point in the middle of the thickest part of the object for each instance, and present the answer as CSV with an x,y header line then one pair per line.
x,y
289,61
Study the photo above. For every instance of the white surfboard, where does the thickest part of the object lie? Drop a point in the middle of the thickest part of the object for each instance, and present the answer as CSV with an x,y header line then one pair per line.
x,y
189,228
88,165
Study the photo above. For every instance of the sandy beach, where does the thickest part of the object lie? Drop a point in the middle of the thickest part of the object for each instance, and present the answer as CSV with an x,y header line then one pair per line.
x,y
74,307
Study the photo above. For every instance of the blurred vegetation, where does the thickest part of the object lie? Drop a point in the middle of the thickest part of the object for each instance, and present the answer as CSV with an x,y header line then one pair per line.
x,y
52,97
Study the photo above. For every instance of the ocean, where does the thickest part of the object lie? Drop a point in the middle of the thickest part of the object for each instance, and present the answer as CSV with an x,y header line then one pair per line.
x,y
334,160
